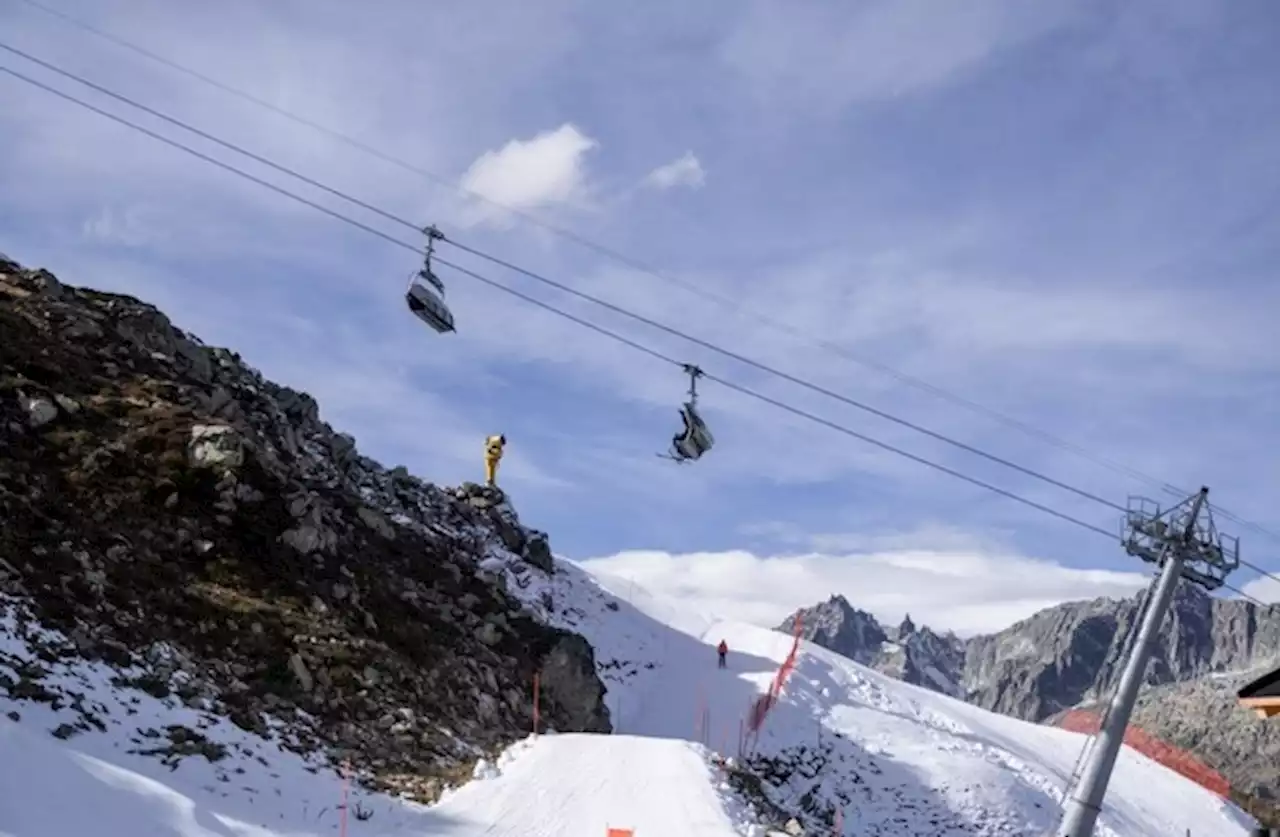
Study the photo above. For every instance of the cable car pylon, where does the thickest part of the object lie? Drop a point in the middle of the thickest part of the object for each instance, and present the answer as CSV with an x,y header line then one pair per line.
x,y
1184,543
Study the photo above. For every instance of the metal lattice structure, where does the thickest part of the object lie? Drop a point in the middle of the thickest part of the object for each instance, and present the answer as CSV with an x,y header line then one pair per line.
x,y
1208,556
1184,543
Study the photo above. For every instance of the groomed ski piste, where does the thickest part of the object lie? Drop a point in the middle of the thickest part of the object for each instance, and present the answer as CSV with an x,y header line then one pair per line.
x,y
893,758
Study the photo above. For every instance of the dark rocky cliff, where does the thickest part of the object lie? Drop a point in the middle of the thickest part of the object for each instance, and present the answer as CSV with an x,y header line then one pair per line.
x,y
202,530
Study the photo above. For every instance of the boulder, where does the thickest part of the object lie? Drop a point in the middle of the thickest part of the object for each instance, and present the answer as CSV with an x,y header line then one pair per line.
x,y
216,446
571,690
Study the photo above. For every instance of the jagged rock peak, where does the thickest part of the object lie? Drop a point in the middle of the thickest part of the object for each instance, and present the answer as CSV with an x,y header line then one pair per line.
x,y
906,628
838,625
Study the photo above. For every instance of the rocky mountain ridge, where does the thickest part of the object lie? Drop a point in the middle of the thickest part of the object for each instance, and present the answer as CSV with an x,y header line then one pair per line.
x,y
1070,655
909,652
199,528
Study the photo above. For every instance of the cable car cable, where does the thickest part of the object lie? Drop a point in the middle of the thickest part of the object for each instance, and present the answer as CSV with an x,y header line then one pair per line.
x,y
331,212
759,396
546,306
587,297
230,146
577,293
902,377
844,399
580,321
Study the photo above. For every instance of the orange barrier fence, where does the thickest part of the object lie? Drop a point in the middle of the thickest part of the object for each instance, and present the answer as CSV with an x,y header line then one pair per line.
x,y
759,709
1178,760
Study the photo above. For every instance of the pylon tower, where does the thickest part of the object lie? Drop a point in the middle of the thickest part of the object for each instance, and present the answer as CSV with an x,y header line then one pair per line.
x,y
1185,544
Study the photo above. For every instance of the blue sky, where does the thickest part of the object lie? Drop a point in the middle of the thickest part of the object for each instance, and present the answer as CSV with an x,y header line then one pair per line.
x,y
1064,211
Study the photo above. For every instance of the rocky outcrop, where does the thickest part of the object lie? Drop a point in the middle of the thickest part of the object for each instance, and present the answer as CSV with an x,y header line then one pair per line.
x,y
572,688
840,626
1072,653
169,509
1202,716
530,544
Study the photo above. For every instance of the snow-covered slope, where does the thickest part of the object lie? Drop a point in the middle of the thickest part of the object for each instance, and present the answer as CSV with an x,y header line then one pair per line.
x,y
555,786
893,758
580,785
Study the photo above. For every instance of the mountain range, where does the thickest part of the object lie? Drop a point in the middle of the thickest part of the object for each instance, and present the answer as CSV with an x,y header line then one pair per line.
x,y
1068,657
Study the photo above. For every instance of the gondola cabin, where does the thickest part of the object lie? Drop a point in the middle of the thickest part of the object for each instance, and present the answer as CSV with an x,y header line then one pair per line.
x,y
425,295
695,439
425,298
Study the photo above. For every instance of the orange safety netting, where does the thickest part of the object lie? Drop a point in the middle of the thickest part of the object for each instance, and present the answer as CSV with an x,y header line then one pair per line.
x,y
760,708
1178,760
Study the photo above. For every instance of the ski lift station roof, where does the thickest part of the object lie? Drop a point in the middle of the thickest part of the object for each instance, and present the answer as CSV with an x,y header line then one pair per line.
x,y
1262,695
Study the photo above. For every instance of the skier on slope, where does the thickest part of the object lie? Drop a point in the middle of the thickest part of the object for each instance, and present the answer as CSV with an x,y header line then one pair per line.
x,y
722,649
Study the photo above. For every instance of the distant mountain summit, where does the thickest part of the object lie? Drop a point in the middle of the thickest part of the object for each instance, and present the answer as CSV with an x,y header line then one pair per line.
x,y
914,654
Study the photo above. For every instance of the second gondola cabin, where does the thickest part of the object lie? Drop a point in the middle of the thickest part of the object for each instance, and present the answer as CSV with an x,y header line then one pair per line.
x,y
695,437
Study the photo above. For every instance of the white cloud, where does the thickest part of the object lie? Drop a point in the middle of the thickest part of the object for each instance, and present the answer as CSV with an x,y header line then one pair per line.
x,y
130,226
933,536
1263,589
965,591
685,170
545,171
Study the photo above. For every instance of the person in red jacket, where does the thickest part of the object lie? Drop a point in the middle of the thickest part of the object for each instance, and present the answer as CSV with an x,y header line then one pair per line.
x,y
722,649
